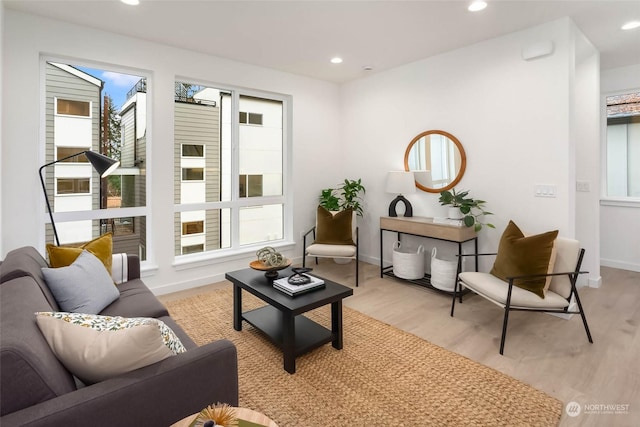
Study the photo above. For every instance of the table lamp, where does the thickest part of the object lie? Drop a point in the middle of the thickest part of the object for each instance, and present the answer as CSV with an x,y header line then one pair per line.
x,y
400,182
102,164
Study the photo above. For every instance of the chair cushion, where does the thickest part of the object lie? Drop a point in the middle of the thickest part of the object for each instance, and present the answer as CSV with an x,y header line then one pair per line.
x,y
83,287
520,255
335,251
496,290
334,228
101,247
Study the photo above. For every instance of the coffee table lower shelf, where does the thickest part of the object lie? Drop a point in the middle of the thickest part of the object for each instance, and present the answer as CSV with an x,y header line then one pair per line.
x,y
308,334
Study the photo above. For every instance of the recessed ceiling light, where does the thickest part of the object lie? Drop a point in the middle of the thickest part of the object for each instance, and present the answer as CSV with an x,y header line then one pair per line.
x,y
131,2
477,5
631,25
336,60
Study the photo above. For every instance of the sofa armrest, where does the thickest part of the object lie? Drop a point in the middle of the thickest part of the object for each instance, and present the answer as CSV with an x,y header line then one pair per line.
x,y
125,267
158,395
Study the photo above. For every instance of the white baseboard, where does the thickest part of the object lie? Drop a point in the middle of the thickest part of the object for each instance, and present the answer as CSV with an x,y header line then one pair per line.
x,y
595,282
622,265
189,284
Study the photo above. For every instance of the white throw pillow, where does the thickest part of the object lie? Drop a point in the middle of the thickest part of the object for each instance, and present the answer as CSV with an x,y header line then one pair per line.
x,y
85,286
95,348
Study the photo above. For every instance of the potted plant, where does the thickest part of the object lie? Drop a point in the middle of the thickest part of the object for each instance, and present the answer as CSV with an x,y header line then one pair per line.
x,y
346,195
466,208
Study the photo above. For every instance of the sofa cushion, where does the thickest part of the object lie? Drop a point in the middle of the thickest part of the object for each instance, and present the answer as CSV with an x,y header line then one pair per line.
x,y
101,247
82,287
29,370
136,300
96,348
27,261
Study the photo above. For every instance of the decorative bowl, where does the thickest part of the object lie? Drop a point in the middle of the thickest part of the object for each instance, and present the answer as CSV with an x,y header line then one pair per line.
x,y
271,272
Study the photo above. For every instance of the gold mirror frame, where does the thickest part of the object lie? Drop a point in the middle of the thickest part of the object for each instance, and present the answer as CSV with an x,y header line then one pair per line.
x,y
463,160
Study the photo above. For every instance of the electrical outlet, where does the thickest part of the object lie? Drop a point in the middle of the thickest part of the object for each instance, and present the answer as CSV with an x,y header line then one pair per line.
x,y
583,186
544,190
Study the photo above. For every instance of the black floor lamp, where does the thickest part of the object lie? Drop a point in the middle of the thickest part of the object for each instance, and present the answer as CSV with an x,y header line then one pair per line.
x,y
102,164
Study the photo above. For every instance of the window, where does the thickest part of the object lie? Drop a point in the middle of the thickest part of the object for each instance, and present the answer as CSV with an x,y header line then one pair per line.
x,y
192,249
192,227
192,150
63,152
89,109
73,108
251,118
192,174
73,185
623,145
239,203
250,185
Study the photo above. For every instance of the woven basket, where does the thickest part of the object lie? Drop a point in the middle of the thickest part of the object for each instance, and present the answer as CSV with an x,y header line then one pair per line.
x,y
408,265
443,273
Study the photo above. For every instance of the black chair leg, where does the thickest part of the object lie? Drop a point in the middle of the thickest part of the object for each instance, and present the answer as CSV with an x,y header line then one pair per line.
x,y
584,318
504,330
455,292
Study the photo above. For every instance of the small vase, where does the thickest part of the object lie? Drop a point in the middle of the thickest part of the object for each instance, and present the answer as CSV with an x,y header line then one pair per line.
x,y
454,213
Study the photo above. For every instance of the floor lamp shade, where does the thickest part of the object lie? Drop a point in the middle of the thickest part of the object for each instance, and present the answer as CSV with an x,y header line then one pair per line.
x,y
400,182
102,164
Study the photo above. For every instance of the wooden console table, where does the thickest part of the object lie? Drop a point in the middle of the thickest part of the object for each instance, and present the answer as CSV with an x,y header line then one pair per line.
x,y
425,227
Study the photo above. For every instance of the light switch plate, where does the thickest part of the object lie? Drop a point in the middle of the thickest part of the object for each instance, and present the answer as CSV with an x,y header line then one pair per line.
x,y
544,190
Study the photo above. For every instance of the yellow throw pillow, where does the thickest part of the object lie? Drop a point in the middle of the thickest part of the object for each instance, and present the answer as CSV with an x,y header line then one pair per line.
x,y
520,255
334,229
101,247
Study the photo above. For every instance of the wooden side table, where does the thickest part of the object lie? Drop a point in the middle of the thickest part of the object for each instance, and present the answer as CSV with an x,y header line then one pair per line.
x,y
243,414
425,227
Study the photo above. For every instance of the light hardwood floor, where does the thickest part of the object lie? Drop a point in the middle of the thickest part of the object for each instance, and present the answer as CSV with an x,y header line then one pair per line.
x,y
547,352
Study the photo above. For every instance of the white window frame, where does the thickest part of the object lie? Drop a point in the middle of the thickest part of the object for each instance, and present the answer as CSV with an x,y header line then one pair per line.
x,y
237,251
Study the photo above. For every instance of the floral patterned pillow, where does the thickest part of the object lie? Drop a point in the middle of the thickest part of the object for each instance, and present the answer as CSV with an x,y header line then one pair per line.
x,y
95,348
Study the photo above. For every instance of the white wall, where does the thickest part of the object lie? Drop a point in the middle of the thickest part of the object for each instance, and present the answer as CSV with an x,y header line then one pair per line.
x,y
2,26
619,221
514,118
315,131
585,146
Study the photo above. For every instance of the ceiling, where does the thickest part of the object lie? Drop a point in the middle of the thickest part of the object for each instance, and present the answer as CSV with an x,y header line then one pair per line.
x,y
301,36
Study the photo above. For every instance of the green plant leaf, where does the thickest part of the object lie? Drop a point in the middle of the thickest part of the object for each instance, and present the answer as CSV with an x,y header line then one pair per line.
x,y
469,220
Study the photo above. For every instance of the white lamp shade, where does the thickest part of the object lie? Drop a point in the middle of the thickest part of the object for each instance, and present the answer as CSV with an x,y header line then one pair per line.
x,y
400,182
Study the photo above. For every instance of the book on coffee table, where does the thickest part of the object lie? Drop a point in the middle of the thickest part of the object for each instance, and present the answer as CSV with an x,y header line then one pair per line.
x,y
283,285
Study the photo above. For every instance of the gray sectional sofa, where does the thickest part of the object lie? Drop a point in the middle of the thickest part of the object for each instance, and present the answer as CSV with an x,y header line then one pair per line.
x,y
36,389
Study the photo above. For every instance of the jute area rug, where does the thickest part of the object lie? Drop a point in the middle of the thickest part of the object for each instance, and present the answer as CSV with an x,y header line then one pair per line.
x,y
382,377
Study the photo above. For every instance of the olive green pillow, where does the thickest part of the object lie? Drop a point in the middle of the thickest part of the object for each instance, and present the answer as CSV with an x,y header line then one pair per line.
x,y
520,255
334,229
101,247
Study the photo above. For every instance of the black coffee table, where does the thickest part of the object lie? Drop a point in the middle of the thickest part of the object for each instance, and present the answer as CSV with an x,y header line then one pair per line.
x,y
281,319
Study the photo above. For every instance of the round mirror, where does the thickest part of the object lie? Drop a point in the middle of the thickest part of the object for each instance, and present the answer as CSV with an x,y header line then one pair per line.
x,y
436,159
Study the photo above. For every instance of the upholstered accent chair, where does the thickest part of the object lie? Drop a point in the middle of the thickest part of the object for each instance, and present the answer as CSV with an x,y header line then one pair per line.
x,y
558,297
335,235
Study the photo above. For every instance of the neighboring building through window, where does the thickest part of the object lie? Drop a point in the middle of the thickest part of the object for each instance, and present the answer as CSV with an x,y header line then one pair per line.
x,y
220,163
623,145
80,115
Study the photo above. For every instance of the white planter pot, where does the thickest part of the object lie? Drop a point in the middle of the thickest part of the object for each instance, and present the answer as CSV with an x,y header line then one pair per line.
x,y
454,213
